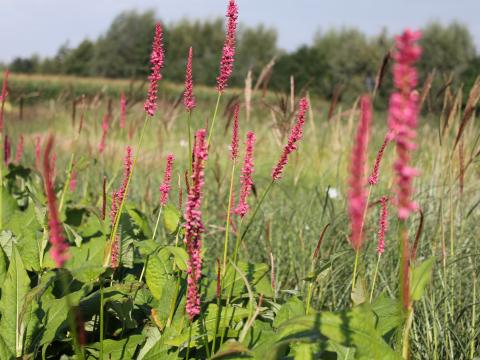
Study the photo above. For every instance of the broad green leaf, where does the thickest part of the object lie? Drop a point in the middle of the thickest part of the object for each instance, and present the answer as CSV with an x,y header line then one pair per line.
x,y
156,274
343,352
304,351
15,287
5,352
353,328
3,266
28,235
230,348
200,331
180,255
171,218
117,349
9,205
421,275
140,220
389,314
256,274
291,309
85,262
6,242
56,312
155,347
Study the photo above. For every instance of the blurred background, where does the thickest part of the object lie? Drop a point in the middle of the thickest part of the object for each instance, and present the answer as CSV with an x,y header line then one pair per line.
x,y
330,47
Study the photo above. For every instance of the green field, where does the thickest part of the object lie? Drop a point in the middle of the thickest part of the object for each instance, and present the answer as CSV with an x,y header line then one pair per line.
x,y
143,311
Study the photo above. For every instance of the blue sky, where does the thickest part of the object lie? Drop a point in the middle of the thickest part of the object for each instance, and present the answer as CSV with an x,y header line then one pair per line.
x,y
41,26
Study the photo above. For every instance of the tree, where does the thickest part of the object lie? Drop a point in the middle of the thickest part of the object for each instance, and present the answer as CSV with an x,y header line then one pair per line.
x,y
446,48
124,50
78,61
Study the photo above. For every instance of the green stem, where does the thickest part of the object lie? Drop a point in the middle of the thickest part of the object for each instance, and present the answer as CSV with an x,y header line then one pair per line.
x,y
157,222
101,318
71,317
122,203
210,132
474,300
406,334
227,226
375,277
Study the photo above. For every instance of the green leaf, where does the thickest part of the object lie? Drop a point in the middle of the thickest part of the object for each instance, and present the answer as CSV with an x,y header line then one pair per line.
x,y
256,274
140,220
56,312
15,287
171,218
6,242
232,347
200,331
155,347
3,266
117,349
85,262
353,328
156,273
420,278
180,255
5,352
291,309
389,314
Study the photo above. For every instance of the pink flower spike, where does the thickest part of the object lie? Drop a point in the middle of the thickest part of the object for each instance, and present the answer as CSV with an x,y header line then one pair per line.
x,y
193,224
234,145
165,187
123,110
3,97
373,178
19,151
246,178
295,136
59,250
228,52
156,65
188,97
357,197
403,118
382,225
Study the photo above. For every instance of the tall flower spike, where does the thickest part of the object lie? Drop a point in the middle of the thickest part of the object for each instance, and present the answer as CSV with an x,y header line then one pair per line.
x,y
166,186
234,145
156,64
403,117
188,97
228,51
373,178
295,136
59,250
246,177
357,196
19,151
3,97
123,110
194,226
382,225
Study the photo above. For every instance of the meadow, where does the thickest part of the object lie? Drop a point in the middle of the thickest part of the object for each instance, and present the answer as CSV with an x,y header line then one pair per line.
x,y
114,276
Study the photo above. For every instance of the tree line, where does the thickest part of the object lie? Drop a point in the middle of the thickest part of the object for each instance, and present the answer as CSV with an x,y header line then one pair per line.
x,y
343,59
